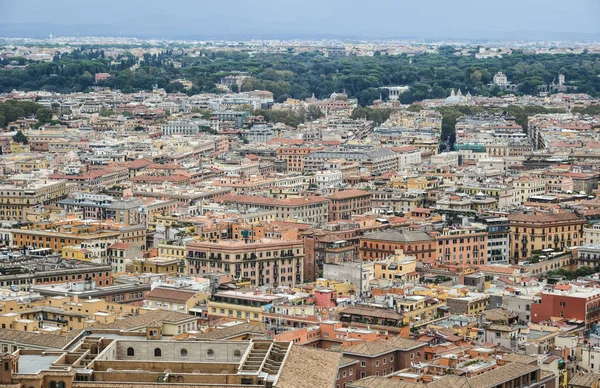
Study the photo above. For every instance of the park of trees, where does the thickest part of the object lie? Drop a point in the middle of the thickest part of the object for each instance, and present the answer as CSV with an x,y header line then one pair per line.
x,y
299,76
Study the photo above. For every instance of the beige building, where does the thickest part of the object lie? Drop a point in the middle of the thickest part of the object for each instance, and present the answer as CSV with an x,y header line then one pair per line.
x,y
24,192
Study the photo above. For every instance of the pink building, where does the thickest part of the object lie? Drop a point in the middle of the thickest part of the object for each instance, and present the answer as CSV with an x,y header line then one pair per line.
x,y
101,76
325,298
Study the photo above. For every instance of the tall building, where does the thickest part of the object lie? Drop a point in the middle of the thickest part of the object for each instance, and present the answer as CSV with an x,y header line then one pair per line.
x,y
536,231
264,263
379,245
23,192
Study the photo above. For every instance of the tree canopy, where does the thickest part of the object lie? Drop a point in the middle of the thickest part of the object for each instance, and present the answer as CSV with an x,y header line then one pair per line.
x,y
299,76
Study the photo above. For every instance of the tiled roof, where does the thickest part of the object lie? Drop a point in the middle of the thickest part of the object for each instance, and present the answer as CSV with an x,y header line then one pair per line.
x,y
501,375
373,312
143,320
170,294
383,382
450,381
233,331
24,338
398,236
543,217
582,379
345,194
522,358
309,367
381,346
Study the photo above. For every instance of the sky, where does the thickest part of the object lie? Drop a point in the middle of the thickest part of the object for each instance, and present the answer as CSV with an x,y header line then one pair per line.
x,y
286,19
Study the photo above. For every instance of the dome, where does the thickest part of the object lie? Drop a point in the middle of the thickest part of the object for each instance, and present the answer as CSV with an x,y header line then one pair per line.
x,y
333,96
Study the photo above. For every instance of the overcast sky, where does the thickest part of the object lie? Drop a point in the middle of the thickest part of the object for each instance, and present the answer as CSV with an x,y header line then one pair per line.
x,y
236,19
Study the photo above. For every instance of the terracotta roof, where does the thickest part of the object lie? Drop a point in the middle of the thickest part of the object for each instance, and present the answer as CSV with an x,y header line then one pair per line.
x,y
348,194
543,217
143,320
373,312
271,201
138,163
582,379
233,331
381,346
120,245
170,294
383,382
501,375
23,338
310,368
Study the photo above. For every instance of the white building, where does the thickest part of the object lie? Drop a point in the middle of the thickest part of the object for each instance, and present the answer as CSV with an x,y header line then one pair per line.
x,y
408,156
591,235
183,127
500,79
329,179
445,159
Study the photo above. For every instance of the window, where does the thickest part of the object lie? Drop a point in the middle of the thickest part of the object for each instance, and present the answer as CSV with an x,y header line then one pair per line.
x,y
183,353
412,356
384,361
237,354
391,358
130,352
363,375
157,352
210,353
363,364
377,363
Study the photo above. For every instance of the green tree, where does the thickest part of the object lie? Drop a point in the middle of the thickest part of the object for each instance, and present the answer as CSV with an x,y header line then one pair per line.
x,y
20,137
44,115
313,112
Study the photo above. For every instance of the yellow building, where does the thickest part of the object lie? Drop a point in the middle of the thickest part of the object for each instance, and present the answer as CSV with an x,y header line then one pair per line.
x,y
18,148
536,231
158,265
397,267
171,251
25,192
60,315
29,165
340,288
419,310
237,305
171,299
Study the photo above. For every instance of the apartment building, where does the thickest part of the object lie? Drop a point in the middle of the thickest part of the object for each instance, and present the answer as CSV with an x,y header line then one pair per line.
x,y
569,302
461,246
309,209
382,357
379,245
96,179
241,305
344,204
24,192
294,156
263,263
536,231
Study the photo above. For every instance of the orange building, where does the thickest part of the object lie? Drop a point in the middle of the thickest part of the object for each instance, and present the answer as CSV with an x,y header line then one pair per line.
x,y
347,203
463,246
379,245
294,156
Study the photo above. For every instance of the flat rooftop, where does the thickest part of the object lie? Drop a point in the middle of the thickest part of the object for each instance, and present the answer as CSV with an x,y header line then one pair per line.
x,y
33,363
